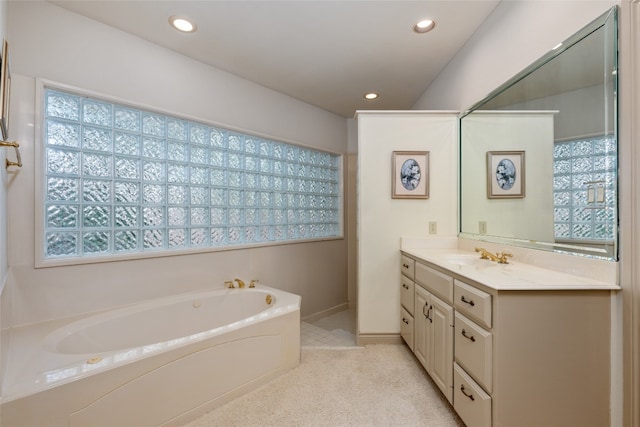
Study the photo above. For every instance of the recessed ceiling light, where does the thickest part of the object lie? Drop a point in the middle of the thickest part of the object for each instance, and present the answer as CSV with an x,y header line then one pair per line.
x,y
183,24
424,26
371,96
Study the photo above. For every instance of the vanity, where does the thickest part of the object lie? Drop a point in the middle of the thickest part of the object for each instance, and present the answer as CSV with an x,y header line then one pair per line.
x,y
537,341
509,344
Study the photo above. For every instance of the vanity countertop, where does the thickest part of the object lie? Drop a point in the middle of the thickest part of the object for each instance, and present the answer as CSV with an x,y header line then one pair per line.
x,y
512,276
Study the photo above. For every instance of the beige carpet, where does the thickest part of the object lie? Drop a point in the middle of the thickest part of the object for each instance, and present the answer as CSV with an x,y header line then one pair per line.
x,y
379,385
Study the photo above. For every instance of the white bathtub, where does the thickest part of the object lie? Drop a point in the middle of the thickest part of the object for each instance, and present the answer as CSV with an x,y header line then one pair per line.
x,y
162,362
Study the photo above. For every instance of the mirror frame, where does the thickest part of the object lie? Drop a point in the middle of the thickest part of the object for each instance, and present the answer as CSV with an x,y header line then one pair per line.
x,y
610,15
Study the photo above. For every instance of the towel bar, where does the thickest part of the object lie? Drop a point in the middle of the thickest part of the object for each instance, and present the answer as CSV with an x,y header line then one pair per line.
x,y
16,147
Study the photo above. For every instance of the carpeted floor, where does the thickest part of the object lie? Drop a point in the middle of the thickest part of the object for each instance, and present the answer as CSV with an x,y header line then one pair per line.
x,y
377,385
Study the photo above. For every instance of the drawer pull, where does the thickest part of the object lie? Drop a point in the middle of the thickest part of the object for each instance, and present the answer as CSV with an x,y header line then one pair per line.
x,y
470,302
464,334
427,313
404,285
470,396
405,265
405,321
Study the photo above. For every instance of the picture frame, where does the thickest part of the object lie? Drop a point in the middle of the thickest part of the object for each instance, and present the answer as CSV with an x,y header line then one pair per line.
x,y
5,91
410,178
506,174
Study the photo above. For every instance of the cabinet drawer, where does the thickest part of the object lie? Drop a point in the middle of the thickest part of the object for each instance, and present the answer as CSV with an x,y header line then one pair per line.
x,y
407,266
473,350
472,302
406,327
435,282
407,295
471,403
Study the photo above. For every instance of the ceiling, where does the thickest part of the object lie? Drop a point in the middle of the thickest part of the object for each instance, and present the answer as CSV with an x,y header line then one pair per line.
x,y
326,53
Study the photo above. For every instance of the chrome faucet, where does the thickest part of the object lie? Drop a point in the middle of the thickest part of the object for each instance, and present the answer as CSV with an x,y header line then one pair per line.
x,y
500,258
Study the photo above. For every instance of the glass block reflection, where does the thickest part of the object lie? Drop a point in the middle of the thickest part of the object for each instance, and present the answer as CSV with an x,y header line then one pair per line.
x,y
62,216
63,134
64,189
177,238
96,216
127,119
62,105
61,244
96,242
580,168
97,113
127,216
62,162
199,236
122,180
126,240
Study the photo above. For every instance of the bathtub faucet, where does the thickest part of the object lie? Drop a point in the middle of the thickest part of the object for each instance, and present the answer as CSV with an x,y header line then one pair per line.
x,y
240,283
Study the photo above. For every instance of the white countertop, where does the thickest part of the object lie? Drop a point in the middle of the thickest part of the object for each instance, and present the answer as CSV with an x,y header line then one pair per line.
x,y
513,276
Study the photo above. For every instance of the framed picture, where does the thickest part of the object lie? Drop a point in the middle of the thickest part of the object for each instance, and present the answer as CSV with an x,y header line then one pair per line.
x,y
505,175
5,86
410,175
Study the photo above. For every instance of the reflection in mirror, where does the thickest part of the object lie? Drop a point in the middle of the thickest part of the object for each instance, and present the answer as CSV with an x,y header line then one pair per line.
x,y
560,192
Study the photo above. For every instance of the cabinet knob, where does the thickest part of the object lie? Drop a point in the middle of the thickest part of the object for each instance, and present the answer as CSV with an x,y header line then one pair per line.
x,y
404,285
469,337
405,321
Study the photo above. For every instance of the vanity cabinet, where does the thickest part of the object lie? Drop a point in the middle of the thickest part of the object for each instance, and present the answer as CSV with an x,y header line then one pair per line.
x,y
512,357
407,295
433,340
431,316
473,367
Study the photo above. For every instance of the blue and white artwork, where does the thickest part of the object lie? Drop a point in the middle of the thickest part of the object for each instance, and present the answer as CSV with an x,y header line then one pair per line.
x,y
410,174
506,174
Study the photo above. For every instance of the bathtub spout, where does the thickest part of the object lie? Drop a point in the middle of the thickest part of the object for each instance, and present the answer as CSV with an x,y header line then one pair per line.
x,y
240,283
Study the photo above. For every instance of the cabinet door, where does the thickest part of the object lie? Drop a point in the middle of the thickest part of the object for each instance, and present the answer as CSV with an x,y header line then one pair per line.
x,y
442,341
422,343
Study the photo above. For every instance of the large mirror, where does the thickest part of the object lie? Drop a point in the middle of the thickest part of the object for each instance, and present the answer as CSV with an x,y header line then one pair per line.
x,y
538,156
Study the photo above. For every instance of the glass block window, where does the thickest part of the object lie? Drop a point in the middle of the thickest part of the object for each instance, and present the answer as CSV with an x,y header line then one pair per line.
x,y
121,180
584,189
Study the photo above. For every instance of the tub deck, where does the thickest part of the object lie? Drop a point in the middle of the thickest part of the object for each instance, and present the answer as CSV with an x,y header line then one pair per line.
x,y
164,383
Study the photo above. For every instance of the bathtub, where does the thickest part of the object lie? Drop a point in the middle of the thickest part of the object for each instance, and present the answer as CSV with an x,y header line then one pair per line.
x,y
162,362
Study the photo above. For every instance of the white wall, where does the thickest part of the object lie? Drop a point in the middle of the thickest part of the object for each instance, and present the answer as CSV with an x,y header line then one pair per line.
x,y
52,43
530,217
382,221
515,35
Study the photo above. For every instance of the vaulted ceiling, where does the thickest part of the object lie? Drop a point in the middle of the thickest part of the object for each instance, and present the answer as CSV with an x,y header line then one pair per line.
x,y
326,53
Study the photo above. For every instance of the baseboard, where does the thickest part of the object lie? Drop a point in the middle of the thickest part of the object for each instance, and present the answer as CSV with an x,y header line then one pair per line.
x,y
325,313
365,339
